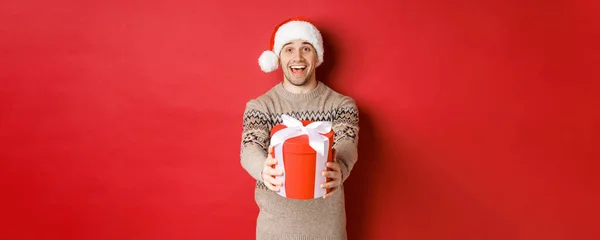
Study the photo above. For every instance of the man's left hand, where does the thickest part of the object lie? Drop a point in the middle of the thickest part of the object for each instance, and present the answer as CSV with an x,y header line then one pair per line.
x,y
335,176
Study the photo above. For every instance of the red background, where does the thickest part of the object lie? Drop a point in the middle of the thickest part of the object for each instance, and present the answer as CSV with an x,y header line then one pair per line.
x,y
122,120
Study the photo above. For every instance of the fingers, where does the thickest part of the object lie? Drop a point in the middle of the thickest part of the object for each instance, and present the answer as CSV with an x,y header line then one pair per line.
x,y
269,179
268,170
334,176
331,184
269,162
272,183
269,173
271,152
334,166
269,167
331,192
334,171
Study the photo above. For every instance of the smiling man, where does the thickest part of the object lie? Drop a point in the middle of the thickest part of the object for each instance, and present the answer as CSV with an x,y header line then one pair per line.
x,y
297,46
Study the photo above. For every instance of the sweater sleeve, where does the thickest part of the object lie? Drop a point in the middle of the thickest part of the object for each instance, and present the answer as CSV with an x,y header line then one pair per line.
x,y
255,139
345,127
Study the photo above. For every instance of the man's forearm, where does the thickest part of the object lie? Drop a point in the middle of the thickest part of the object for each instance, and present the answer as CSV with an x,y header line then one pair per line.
x,y
347,156
253,159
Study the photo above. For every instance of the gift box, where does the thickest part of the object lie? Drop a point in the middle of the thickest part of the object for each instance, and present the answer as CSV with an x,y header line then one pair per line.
x,y
302,149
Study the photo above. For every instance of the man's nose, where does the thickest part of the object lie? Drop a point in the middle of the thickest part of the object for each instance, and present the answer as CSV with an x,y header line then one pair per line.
x,y
297,55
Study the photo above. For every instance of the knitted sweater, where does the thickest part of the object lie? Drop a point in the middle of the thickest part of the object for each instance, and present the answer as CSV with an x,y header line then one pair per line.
x,y
282,218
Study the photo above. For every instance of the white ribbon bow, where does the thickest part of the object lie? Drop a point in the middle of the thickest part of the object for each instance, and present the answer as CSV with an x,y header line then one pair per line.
x,y
295,128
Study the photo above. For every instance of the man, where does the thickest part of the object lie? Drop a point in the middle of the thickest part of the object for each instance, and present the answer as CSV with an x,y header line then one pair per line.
x,y
297,46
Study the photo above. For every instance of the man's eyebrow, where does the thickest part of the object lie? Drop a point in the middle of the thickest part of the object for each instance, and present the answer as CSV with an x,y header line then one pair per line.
x,y
303,43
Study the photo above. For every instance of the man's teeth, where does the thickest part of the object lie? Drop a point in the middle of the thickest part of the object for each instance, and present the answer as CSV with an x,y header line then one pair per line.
x,y
298,67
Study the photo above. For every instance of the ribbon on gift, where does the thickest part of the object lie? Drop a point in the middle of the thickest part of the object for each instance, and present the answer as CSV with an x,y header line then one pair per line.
x,y
316,141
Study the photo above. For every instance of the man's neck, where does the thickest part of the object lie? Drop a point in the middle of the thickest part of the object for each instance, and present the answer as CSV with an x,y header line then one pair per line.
x,y
299,89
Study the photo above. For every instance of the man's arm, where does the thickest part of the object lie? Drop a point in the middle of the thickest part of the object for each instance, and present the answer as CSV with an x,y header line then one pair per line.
x,y
345,127
255,139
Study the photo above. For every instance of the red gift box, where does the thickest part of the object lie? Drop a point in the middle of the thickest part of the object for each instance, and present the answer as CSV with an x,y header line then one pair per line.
x,y
302,149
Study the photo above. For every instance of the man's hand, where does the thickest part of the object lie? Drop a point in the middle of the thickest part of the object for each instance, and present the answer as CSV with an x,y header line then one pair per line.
x,y
335,176
269,172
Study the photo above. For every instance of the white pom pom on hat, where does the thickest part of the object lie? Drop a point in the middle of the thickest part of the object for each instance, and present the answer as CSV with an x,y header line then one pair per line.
x,y
268,61
287,31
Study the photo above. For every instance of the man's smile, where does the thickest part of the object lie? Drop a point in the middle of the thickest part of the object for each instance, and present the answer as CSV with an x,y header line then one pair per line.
x,y
297,69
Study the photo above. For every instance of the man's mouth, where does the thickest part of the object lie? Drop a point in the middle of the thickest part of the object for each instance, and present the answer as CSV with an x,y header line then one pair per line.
x,y
297,69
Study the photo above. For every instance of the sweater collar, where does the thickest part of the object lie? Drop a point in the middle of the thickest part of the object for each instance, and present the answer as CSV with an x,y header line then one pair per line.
x,y
317,91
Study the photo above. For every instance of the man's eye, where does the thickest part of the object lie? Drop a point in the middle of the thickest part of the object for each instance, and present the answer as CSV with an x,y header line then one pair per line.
x,y
288,49
306,49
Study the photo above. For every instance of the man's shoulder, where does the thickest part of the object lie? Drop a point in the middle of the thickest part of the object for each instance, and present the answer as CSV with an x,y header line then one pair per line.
x,y
340,99
262,101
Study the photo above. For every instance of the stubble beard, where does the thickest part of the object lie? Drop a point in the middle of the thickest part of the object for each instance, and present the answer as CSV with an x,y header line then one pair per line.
x,y
299,82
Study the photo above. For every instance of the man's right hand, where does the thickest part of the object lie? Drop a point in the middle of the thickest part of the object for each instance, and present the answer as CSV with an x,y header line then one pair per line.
x,y
269,172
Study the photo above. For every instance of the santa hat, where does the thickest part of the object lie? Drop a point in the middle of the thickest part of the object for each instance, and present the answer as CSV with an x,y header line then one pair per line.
x,y
287,31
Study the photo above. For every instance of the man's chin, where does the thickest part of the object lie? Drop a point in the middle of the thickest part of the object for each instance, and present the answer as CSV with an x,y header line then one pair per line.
x,y
297,81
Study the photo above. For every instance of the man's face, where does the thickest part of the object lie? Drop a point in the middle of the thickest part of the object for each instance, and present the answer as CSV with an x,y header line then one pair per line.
x,y
298,61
